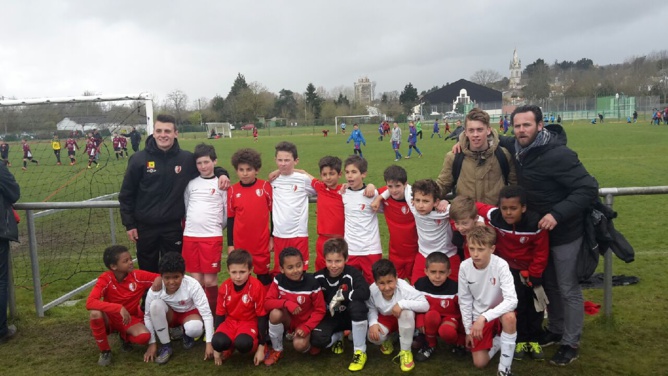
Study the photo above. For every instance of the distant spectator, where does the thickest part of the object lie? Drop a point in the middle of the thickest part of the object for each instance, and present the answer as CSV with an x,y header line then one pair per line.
x,y
9,194
635,116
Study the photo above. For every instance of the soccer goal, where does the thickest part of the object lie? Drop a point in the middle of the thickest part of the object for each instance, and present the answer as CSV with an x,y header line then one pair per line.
x,y
217,130
64,167
353,119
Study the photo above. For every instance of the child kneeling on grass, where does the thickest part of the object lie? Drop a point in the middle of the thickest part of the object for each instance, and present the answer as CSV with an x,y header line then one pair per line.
x,y
392,307
240,319
180,301
487,301
114,302
295,301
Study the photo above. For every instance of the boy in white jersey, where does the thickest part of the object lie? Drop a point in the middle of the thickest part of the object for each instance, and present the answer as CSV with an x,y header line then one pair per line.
x,y
180,302
206,216
392,307
361,222
290,205
487,301
432,223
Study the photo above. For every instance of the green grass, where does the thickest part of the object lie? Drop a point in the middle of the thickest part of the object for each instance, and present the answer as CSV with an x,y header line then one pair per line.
x,y
619,155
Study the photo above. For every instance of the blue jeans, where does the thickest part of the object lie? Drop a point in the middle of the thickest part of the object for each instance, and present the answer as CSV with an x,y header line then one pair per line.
x,y
4,285
410,150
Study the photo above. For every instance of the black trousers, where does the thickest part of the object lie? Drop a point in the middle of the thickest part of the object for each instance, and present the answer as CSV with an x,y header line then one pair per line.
x,y
529,322
321,336
156,240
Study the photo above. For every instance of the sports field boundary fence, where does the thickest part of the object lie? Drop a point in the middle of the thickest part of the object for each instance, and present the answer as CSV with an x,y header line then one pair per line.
x,y
103,202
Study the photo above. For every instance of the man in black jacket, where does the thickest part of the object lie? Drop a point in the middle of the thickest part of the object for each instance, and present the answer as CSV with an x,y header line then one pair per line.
x,y
135,137
9,194
560,189
151,196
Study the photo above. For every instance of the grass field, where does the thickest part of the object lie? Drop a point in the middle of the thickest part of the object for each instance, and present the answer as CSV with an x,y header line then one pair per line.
x,y
619,155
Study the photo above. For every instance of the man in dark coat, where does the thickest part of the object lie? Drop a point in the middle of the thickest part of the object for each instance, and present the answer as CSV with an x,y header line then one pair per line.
x,y
9,194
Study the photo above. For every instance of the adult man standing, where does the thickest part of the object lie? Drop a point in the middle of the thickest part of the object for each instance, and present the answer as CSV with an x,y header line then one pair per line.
x,y
9,194
135,137
483,167
151,196
560,189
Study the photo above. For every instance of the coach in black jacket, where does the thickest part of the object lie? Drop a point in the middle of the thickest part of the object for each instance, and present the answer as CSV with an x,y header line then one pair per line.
x,y
151,196
9,231
560,189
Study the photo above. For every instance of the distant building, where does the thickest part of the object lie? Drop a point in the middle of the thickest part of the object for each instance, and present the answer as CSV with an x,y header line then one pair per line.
x,y
364,90
464,93
515,72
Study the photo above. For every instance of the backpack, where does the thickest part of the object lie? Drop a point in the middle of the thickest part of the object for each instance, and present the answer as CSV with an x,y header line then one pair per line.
x,y
459,159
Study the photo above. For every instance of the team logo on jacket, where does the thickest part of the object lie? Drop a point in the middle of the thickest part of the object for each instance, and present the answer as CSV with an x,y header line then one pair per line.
x,y
177,169
132,286
404,209
524,239
445,303
492,281
245,299
301,299
237,195
258,192
150,167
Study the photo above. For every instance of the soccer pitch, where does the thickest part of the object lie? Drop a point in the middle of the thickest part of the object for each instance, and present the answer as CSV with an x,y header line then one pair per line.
x,y
617,154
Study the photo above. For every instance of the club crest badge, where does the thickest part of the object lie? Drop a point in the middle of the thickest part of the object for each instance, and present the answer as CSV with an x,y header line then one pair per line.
x,y
132,286
177,169
258,192
404,210
492,281
245,299
300,299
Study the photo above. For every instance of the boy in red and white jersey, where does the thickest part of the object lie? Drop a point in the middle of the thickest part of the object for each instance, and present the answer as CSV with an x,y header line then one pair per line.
x,y
329,208
116,144
206,217
27,155
240,318
294,301
361,222
400,221
291,190
443,320
249,204
114,302
179,302
487,301
124,145
71,146
91,151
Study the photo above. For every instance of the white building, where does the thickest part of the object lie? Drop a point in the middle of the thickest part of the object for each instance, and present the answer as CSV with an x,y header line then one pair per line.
x,y
515,72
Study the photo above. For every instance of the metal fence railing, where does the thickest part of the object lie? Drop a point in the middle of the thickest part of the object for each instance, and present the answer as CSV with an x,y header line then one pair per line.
x,y
607,193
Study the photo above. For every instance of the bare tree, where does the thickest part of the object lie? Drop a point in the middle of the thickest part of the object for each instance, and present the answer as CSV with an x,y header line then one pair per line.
x,y
177,101
485,77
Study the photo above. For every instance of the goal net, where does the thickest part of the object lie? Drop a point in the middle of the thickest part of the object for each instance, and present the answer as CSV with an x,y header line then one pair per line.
x,y
344,124
218,130
70,150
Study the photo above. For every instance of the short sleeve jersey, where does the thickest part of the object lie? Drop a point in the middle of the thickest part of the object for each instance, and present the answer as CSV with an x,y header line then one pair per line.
x,y
290,205
329,209
361,224
250,206
206,208
401,225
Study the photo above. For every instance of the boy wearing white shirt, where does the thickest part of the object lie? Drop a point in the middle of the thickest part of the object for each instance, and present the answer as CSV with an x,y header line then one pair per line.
x,y
392,307
487,301
290,205
180,302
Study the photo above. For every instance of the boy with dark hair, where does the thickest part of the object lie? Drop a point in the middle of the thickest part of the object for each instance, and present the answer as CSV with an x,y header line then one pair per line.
x,y
295,301
27,155
329,208
525,247
113,304
290,204
412,141
443,320
248,210
180,301
358,139
124,146
346,293
71,146
91,151
464,215
240,319
361,224
4,153
403,245
392,307
206,217
116,144
487,301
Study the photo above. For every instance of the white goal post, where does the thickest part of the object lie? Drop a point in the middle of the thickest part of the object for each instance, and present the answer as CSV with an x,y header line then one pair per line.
x,y
219,129
336,120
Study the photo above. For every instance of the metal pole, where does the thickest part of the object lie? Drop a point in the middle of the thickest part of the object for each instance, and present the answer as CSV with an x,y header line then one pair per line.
x,y
34,263
607,275
112,226
10,281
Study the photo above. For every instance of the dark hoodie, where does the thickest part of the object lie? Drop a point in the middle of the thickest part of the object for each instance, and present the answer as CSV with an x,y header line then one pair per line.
x,y
152,190
556,182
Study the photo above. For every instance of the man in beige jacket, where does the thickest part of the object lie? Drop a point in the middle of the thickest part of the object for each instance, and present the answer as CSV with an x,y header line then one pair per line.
x,y
481,175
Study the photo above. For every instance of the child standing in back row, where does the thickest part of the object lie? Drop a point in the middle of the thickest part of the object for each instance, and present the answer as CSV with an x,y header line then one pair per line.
x,y
206,217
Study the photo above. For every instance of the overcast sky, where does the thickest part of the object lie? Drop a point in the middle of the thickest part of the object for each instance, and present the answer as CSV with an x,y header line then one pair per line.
x,y
65,47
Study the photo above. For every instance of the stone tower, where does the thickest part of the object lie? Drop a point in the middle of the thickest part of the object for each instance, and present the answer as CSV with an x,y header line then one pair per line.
x,y
515,72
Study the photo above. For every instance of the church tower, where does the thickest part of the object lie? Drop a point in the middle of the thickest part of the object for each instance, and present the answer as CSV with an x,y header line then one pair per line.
x,y
515,72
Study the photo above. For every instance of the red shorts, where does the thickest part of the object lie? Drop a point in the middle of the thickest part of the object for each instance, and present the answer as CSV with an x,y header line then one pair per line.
x,y
280,244
115,323
178,317
420,320
491,330
421,261
363,264
202,255
403,265
390,322
232,328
